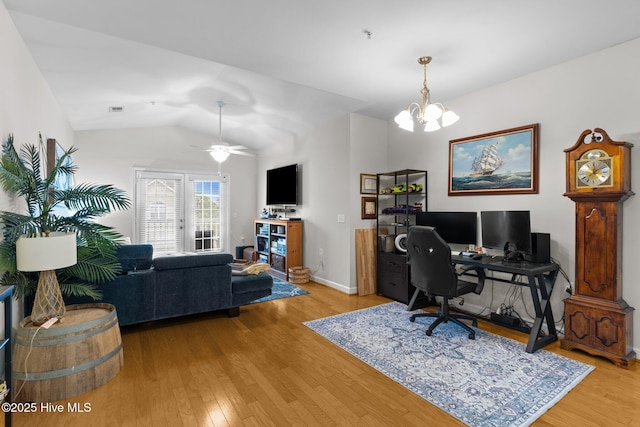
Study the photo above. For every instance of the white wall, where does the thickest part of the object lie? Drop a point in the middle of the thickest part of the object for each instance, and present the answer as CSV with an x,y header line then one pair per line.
x,y
323,156
368,148
332,158
109,156
27,107
599,90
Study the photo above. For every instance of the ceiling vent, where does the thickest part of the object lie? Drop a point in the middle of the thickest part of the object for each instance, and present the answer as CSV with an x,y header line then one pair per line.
x,y
116,109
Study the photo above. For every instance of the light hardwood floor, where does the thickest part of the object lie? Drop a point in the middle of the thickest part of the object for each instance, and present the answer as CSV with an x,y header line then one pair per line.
x,y
265,368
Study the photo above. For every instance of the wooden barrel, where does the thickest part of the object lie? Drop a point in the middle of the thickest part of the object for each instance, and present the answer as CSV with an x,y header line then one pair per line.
x,y
75,355
299,275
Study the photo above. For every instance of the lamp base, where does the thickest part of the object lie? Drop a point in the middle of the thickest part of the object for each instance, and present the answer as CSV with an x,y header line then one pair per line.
x,y
48,301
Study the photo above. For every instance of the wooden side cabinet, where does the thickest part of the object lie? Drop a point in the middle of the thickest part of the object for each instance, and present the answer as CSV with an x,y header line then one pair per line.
x,y
279,244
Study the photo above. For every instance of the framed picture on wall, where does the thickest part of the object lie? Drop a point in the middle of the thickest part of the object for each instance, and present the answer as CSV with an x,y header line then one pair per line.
x,y
502,162
368,184
368,208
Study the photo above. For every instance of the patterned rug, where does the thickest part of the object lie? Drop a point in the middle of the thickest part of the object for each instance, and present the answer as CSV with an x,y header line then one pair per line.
x,y
281,289
489,381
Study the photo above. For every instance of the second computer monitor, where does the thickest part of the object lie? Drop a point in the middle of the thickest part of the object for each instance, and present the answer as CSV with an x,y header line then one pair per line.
x,y
500,227
453,227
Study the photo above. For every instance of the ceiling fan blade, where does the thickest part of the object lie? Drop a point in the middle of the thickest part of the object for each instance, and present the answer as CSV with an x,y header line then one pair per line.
x,y
242,153
236,147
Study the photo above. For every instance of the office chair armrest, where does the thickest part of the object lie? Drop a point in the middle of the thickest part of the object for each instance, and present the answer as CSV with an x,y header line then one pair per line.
x,y
479,273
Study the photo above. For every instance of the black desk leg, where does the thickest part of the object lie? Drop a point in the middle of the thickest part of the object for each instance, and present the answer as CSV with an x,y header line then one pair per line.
x,y
542,307
413,300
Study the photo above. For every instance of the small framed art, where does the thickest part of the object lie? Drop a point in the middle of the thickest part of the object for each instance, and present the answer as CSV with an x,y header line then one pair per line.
x,y
368,184
368,207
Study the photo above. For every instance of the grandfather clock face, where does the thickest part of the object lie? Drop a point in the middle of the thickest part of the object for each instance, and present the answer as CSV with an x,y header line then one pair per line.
x,y
593,169
598,166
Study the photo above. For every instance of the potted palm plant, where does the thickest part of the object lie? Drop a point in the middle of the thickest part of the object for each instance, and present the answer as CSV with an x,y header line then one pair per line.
x,y
21,175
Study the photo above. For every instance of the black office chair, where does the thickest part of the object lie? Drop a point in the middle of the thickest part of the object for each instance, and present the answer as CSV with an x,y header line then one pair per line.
x,y
433,273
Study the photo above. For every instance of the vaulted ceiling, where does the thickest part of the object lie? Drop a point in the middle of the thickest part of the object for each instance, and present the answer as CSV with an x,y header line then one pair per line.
x,y
283,67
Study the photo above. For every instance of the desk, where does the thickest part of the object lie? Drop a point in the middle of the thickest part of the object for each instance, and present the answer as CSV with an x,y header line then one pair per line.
x,y
540,279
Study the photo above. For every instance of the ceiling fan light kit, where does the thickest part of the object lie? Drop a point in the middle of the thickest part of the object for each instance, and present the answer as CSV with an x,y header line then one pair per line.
x,y
220,154
425,113
221,151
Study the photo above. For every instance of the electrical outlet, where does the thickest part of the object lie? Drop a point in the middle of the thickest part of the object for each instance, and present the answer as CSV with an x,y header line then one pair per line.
x,y
320,252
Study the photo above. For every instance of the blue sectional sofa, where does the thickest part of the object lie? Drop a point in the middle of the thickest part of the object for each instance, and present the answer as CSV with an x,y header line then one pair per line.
x,y
176,285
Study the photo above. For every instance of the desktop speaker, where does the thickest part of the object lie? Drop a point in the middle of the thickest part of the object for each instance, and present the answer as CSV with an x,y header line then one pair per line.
x,y
541,248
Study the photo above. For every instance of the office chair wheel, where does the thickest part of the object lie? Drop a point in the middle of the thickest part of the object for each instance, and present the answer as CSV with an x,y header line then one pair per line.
x,y
428,333
412,318
472,335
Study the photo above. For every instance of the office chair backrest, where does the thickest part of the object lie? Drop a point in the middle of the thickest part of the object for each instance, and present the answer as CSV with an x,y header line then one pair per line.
x,y
430,259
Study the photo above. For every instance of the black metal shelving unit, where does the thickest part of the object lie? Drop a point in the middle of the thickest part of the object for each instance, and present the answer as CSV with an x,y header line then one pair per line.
x,y
401,194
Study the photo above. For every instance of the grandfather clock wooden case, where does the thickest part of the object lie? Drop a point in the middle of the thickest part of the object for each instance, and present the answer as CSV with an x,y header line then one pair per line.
x,y
597,319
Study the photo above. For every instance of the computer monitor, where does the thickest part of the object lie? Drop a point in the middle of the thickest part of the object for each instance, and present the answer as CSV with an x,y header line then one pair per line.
x,y
453,227
500,227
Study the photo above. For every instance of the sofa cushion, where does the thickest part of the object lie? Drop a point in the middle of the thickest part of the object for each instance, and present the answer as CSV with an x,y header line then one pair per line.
x,y
191,261
251,283
135,257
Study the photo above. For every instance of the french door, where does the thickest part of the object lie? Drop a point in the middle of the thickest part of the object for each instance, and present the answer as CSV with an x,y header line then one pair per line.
x,y
181,212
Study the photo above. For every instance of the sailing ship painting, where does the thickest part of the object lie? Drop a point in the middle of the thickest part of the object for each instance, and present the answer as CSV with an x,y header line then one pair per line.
x,y
501,162
487,162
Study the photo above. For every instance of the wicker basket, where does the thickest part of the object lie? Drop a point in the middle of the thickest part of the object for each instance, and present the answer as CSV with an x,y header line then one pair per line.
x,y
299,275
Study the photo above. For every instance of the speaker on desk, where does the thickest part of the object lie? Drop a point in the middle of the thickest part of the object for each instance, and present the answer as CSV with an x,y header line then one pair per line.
x,y
541,248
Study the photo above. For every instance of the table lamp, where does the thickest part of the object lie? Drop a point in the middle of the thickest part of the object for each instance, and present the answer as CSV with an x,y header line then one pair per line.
x,y
46,254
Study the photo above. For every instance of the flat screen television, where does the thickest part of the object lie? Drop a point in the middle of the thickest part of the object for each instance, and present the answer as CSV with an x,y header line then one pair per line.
x,y
282,186
500,227
453,227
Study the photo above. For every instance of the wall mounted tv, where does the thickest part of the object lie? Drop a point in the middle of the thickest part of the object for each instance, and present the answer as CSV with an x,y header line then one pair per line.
x,y
282,186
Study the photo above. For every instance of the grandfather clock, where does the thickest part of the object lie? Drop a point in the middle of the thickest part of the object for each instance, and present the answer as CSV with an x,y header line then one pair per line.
x,y
597,319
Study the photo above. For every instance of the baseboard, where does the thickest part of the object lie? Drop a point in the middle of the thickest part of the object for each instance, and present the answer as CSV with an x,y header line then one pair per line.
x,y
334,285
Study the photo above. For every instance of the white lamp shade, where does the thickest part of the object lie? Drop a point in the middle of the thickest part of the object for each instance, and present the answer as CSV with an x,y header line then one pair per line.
x,y
404,120
402,117
46,253
406,125
431,126
219,154
449,118
432,112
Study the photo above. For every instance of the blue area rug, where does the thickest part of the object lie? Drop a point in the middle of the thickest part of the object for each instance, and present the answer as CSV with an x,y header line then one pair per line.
x,y
282,289
489,381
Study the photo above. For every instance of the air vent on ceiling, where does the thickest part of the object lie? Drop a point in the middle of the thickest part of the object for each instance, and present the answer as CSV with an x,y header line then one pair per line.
x,y
116,109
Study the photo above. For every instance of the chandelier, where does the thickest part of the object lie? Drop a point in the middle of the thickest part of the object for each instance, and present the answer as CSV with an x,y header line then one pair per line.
x,y
432,116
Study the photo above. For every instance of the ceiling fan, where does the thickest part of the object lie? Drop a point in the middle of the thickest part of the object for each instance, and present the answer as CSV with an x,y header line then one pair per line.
x,y
221,151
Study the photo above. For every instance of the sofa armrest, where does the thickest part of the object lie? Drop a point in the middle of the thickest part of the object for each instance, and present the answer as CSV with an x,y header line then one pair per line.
x,y
135,257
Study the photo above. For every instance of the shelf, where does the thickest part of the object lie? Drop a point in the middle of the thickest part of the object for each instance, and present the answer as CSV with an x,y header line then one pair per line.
x,y
289,251
406,193
397,212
